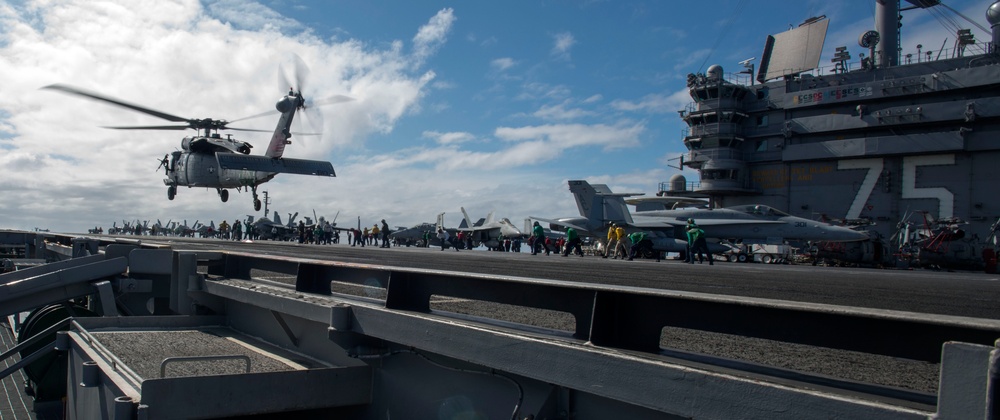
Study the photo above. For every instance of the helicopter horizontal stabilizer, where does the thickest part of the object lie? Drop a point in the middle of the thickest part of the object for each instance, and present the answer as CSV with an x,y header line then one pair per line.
x,y
234,161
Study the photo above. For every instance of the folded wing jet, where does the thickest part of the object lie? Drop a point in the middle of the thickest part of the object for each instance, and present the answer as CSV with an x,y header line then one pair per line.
x,y
749,223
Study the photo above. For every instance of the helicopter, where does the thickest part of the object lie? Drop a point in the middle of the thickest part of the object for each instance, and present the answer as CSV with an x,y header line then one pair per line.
x,y
209,160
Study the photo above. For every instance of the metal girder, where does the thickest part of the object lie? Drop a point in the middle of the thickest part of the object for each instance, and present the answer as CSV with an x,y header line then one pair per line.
x,y
56,286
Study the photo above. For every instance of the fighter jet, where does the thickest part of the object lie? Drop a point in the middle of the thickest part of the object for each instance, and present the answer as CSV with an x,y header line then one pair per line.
x,y
275,230
750,223
414,235
208,231
488,231
184,230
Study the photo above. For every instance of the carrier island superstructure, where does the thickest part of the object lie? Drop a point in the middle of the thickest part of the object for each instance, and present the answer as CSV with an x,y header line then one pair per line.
x,y
872,140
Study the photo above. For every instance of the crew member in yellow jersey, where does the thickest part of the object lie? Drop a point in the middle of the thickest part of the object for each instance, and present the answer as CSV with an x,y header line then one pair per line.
x,y
619,239
610,241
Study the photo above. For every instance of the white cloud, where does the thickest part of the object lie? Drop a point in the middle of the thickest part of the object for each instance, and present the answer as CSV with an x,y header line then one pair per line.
x,y
503,63
538,90
432,35
563,136
655,103
562,44
59,169
448,138
561,112
250,15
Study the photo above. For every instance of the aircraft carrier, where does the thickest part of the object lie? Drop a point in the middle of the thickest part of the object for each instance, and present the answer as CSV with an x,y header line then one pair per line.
x,y
102,327
886,141
162,327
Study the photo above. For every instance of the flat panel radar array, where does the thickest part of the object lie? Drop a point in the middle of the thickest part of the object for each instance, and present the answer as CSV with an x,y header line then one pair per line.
x,y
794,51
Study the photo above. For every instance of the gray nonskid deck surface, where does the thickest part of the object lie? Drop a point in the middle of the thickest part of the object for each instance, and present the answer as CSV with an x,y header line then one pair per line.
x,y
144,351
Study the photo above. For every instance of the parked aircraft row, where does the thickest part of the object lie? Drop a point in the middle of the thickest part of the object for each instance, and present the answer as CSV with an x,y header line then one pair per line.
x,y
665,220
485,232
599,207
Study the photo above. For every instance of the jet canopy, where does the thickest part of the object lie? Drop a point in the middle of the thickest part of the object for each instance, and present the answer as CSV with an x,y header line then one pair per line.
x,y
760,210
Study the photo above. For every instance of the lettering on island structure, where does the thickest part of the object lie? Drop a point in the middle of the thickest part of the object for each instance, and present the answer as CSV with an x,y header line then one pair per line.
x,y
772,178
818,96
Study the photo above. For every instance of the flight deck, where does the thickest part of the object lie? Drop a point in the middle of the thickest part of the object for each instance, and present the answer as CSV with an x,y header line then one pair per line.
x,y
860,342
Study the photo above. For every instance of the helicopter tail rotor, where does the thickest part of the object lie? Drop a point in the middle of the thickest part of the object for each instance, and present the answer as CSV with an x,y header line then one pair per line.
x,y
300,73
312,117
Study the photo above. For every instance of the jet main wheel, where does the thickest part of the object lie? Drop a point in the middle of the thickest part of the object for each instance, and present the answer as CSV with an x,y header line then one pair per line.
x,y
171,192
224,194
256,205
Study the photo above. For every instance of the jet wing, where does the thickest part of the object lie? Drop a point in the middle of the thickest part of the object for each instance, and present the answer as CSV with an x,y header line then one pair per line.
x,y
558,223
237,161
654,224
708,222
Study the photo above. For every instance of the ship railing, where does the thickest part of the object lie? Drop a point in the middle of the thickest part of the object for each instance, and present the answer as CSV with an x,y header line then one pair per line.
x,y
665,187
716,129
722,153
917,56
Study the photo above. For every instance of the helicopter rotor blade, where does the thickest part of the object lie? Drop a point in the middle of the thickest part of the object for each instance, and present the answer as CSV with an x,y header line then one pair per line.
x,y
248,129
313,119
336,99
300,72
206,124
113,101
262,114
149,127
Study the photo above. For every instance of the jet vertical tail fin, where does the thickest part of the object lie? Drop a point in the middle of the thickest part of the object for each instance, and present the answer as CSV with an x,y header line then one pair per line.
x,y
277,218
615,208
468,221
440,221
599,205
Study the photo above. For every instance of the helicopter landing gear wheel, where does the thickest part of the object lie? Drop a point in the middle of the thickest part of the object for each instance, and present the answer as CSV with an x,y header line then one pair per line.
x,y
224,195
171,192
256,205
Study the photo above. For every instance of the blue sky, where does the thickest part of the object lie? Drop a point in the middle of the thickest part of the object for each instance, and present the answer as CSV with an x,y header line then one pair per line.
x,y
487,105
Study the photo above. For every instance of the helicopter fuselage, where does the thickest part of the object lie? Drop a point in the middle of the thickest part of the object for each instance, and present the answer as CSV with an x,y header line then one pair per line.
x,y
197,165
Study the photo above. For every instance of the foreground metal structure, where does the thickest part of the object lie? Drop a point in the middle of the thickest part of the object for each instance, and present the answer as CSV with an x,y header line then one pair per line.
x,y
193,334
